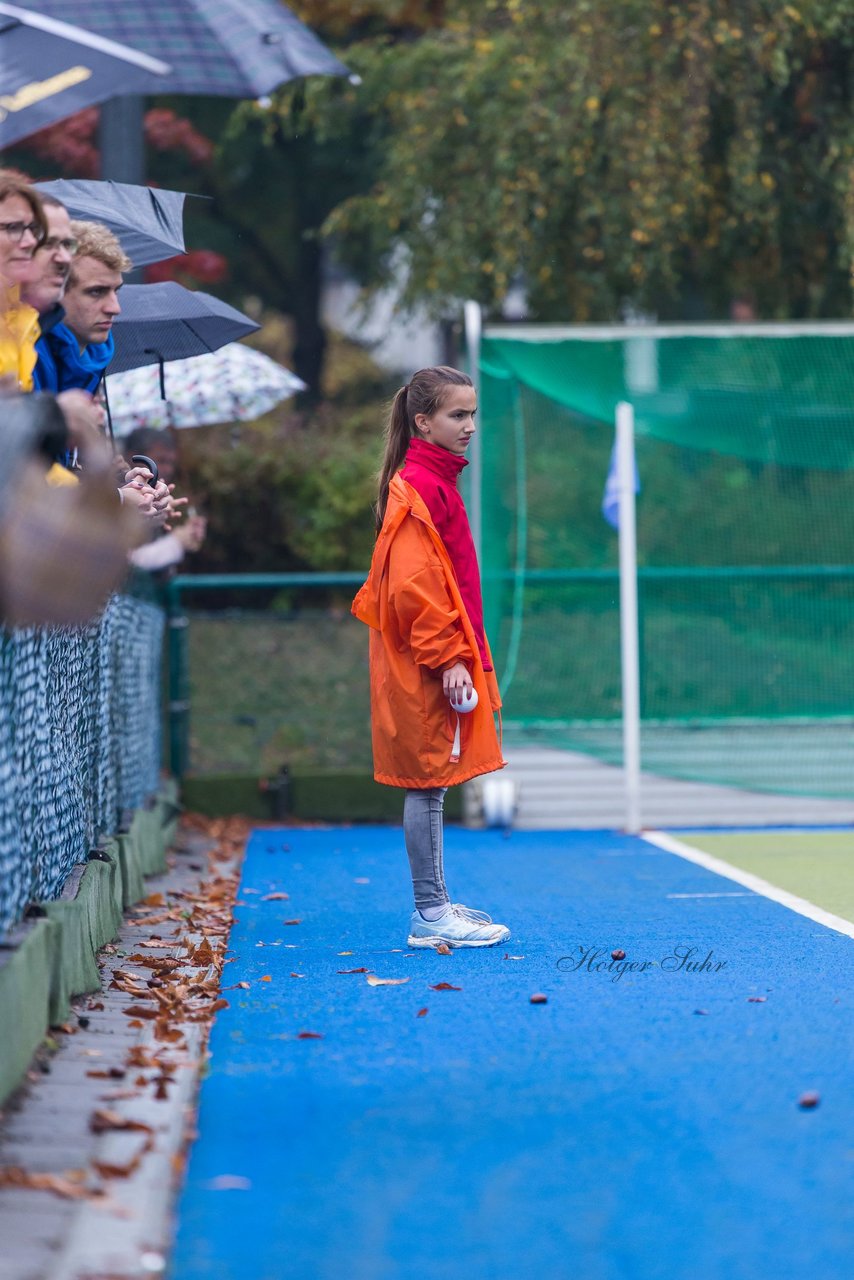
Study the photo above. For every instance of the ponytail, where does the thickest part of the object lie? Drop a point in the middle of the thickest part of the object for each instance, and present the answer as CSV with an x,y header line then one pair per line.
x,y
397,437
423,394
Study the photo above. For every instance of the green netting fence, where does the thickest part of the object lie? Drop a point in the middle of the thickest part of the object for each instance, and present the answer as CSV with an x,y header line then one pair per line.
x,y
79,743
745,451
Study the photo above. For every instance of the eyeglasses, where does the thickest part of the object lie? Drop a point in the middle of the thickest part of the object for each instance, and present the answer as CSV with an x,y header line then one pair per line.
x,y
54,242
16,230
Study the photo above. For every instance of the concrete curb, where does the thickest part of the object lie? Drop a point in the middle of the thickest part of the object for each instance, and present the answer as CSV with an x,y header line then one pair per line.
x,y
126,1233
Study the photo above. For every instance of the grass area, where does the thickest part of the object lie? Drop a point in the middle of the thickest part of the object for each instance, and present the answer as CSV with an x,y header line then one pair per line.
x,y
815,865
292,688
782,652
267,690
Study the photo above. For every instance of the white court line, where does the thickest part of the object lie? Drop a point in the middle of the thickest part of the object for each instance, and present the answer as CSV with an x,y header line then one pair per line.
x,y
708,895
756,883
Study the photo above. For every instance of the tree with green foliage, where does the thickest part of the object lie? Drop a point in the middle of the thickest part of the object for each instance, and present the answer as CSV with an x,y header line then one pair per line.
x,y
669,155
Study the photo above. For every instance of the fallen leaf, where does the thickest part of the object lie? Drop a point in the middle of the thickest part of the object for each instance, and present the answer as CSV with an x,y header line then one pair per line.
x,y
243,985
362,970
275,897
154,900
139,1011
70,1185
756,999
422,1013
267,978
114,1073
108,1170
297,975
443,949
445,986
539,998
104,1121
292,922
309,1035
809,1100
373,981
135,1023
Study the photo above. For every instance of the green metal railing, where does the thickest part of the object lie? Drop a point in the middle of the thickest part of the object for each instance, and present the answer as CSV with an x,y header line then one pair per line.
x,y
181,588
178,624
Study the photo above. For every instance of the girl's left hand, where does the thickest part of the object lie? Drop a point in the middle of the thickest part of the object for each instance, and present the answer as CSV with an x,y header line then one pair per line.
x,y
457,683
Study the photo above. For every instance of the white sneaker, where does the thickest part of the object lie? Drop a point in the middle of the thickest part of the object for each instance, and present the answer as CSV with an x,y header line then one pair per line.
x,y
458,927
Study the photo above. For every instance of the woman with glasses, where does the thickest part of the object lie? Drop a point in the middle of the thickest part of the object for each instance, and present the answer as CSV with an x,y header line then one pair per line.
x,y
23,227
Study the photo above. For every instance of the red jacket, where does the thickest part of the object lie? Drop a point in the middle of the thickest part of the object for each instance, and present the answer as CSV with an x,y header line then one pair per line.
x,y
419,628
434,473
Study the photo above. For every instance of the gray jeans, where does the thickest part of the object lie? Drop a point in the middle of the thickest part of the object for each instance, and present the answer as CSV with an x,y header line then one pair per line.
x,y
422,831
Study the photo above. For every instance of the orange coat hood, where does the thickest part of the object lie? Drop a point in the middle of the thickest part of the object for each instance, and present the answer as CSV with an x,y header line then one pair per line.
x,y
419,628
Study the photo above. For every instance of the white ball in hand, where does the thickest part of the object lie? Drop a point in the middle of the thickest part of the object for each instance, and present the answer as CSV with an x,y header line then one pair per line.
x,y
468,702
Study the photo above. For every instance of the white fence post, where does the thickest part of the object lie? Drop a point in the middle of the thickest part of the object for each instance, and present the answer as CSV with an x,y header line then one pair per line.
x,y
473,328
629,615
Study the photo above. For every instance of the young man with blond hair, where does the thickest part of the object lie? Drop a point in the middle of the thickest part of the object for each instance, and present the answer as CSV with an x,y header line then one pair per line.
x,y
77,352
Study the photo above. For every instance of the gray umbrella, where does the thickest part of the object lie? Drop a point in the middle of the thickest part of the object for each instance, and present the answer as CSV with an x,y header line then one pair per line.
x,y
228,48
49,70
147,220
162,322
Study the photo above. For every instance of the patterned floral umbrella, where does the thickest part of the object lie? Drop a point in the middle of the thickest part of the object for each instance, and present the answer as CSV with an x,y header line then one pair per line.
x,y
234,384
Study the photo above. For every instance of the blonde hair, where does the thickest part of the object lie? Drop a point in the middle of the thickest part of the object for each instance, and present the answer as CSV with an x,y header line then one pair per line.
x,y
425,393
94,240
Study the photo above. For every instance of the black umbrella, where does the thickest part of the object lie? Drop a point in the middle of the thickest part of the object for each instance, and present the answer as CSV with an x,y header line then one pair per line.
x,y
147,220
49,70
162,322
228,48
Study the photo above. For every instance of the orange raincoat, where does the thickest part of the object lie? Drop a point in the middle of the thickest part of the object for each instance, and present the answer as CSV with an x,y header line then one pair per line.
x,y
419,628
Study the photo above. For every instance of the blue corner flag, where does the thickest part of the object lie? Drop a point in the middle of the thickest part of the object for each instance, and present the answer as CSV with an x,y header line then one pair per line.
x,y
611,496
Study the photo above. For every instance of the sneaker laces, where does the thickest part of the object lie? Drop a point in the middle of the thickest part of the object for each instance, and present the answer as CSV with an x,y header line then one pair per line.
x,y
467,913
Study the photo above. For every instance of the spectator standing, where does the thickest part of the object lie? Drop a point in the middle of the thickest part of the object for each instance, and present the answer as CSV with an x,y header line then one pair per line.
x,y
22,228
44,291
76,352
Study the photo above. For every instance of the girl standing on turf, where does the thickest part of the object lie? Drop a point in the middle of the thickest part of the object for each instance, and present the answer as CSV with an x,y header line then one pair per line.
x,y
428,650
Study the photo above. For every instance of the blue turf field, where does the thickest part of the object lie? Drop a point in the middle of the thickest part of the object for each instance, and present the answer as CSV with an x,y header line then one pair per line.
x,y
611,1134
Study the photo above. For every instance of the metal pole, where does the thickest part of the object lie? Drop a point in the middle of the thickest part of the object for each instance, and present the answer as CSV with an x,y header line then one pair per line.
x,y
179,702
629,615
122,143
121,140
474,327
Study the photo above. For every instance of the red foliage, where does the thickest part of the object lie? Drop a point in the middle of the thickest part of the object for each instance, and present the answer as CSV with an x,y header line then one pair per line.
x,y
199,266
72,144
169,132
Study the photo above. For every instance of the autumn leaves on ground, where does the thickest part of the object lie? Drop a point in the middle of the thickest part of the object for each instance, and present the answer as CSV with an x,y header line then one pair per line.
x,y
167,968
